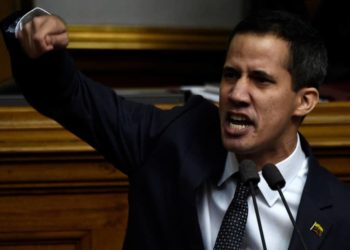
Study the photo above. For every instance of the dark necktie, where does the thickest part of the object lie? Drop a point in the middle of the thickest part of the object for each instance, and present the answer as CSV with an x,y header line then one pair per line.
x,y
232,228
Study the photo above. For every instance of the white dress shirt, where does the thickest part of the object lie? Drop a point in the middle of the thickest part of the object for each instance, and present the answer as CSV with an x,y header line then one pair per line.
x,y
214,199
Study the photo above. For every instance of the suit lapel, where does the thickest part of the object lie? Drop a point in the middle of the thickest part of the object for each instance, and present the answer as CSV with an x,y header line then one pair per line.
x,y
205,159
314,218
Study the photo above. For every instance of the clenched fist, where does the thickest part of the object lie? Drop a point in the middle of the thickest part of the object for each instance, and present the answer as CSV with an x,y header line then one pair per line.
x,y
42,34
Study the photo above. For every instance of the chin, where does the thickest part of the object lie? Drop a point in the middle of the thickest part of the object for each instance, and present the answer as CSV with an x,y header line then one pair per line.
x,y
235,146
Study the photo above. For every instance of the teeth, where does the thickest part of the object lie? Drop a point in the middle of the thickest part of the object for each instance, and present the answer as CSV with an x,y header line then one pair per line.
x,y
238,122
238,126
237,118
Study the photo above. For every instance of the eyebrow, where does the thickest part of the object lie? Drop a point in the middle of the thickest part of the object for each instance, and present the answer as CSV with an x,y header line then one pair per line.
x,y
229,68
262,74
254,73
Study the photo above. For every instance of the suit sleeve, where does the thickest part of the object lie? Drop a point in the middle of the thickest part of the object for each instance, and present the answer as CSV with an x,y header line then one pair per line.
x,y
123,131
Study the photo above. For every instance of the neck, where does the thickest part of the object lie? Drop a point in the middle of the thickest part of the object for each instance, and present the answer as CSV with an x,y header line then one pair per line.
x,y
272,155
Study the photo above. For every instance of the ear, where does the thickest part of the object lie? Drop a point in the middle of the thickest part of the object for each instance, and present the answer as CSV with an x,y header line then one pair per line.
x,y
307,99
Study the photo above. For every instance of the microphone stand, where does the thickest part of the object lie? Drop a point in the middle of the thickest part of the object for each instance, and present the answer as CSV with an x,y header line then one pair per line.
x,y
276,181
291,218
252,190
250,177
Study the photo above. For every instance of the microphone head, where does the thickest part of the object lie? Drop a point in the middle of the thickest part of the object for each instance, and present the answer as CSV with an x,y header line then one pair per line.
x,y
273,176
248,172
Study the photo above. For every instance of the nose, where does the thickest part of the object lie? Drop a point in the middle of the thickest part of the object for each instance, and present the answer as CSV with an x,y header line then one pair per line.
x,y
239,93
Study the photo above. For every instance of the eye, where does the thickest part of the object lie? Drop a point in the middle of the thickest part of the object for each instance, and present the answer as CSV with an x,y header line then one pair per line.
x,y
262,78
230,73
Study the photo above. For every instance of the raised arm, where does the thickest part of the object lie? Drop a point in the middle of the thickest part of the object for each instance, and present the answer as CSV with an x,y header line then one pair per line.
x,y
124,132
49,80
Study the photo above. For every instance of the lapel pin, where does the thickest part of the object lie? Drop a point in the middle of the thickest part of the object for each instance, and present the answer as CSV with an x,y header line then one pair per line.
x,y
317,229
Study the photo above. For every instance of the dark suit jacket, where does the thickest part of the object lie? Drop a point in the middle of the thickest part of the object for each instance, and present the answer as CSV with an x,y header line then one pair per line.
x,y
167,155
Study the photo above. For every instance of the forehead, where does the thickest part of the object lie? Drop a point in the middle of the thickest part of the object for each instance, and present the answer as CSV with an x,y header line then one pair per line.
x,y
259,49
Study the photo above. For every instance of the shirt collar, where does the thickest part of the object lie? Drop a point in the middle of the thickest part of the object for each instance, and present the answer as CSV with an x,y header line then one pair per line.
x,y
288,169
231,167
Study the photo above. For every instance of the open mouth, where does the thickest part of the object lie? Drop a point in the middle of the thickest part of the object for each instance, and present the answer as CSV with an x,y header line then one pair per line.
x,y
239,121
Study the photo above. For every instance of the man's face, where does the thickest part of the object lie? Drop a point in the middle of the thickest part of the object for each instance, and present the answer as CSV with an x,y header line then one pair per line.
x,y
257,102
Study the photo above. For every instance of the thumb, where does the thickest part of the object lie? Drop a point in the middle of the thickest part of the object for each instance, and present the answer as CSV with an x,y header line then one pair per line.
x,y
56,41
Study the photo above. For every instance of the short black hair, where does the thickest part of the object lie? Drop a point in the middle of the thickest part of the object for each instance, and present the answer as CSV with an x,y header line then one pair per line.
x,y
308,54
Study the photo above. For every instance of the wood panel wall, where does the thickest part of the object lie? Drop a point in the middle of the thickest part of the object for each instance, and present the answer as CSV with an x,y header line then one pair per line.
x,y
55,191
148,57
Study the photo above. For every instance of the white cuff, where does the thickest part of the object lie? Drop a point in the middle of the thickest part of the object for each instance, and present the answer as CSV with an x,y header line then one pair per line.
x,y
37,11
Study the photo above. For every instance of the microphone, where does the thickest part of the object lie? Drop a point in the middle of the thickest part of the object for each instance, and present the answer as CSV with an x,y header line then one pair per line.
x,y
249,176
276,181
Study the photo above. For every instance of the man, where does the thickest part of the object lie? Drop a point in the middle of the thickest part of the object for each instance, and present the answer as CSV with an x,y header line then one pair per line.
x,y
180,162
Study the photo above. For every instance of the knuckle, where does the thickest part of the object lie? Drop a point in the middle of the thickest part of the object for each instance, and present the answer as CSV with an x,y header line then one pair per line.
x,y
36,20
37,38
